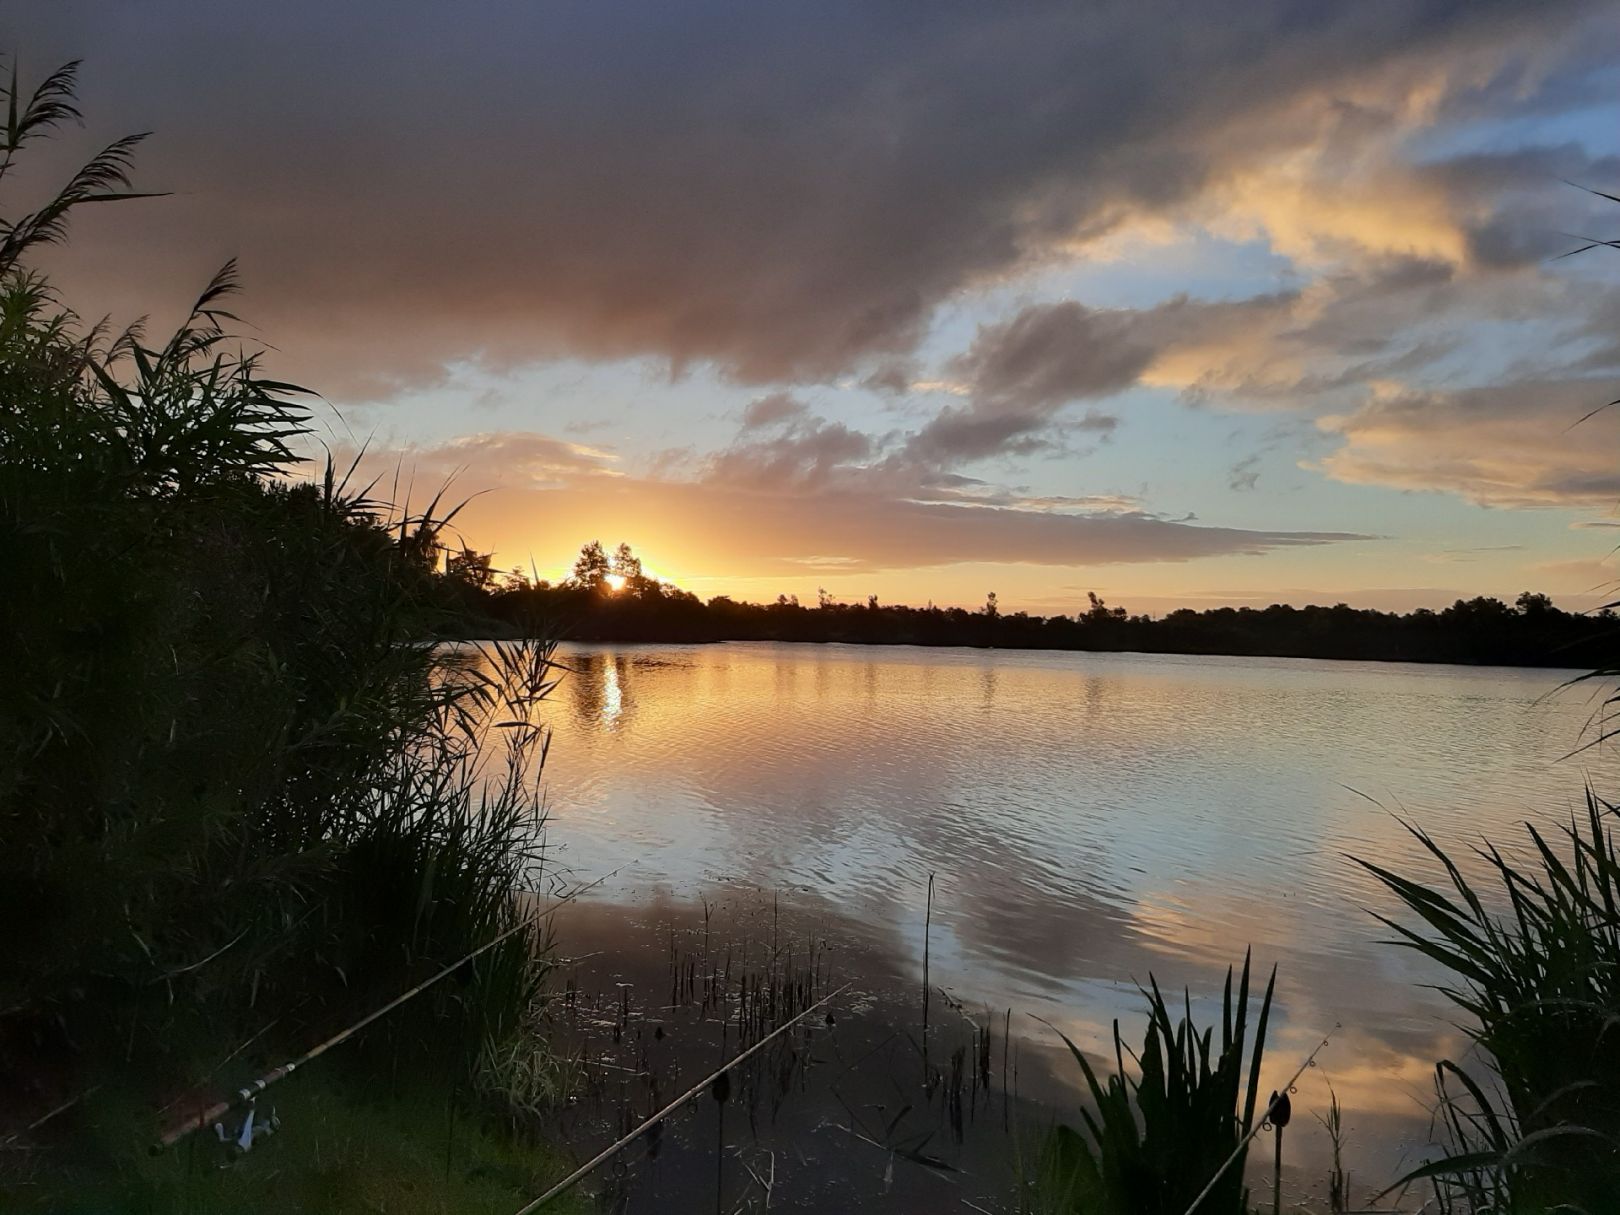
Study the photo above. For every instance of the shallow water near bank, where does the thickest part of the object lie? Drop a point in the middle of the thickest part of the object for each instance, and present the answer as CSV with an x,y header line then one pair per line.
x,y
1089,820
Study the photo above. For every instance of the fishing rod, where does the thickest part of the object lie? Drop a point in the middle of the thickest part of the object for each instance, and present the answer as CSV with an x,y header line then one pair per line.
x,y
46,1117
249,1093
1276,1098
619,1145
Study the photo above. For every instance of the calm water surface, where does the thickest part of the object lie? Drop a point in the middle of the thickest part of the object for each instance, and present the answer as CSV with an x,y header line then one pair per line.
x,y
1089,820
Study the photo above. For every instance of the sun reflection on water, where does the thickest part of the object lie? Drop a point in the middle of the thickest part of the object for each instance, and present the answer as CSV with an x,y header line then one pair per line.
x,y
612,695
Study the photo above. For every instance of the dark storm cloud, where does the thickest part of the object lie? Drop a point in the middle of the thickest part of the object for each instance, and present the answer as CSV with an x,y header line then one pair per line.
x,y
786,190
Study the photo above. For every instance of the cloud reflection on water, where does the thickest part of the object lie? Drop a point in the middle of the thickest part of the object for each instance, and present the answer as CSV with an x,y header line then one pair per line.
x,y
1090,819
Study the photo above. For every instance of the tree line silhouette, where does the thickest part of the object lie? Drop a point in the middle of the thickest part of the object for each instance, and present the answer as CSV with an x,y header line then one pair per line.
x,y
607,597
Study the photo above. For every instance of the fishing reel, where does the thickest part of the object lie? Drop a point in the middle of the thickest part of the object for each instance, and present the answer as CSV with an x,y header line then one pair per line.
x,y
240,1140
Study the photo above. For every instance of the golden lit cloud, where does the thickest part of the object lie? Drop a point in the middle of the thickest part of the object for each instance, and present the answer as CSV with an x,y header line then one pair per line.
x,y
1515,445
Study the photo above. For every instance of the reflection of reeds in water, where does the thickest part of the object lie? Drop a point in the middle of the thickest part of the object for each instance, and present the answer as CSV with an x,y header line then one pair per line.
x,y
724,998
751,996
705,993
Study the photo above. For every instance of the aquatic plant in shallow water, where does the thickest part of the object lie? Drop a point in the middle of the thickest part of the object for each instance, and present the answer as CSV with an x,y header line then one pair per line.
x,y
1155,1141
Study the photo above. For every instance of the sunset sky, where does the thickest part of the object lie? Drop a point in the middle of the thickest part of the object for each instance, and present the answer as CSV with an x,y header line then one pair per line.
x,y
1181,303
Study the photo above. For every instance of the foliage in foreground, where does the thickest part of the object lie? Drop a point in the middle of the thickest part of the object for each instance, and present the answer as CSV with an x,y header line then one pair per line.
x,y
1541,987
1155,1141
244,796
339,1151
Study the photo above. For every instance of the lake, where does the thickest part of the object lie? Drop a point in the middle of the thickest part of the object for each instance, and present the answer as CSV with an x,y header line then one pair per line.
x,y
1088,820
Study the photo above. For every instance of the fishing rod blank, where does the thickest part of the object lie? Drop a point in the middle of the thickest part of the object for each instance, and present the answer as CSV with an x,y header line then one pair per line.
x,y
246,1095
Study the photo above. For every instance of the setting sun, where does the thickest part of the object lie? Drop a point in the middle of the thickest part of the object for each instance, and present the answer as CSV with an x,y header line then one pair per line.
x,y
615,582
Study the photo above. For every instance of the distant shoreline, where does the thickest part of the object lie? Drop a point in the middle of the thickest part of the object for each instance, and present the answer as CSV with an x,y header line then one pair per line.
x,y
1571,659
611,599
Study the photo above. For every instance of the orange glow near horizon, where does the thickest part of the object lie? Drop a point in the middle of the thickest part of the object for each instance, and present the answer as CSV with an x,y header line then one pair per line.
x,y
728,552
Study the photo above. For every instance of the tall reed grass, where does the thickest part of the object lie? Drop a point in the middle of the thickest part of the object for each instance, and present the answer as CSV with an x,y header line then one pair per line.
x,y
240,784
1158,1138
1534,961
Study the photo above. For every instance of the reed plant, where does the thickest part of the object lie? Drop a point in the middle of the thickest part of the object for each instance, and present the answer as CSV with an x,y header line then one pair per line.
x,y
1534,962
1156,1139
243,789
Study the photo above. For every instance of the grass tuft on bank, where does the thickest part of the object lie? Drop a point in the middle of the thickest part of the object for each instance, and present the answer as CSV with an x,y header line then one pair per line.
x,y
338,1151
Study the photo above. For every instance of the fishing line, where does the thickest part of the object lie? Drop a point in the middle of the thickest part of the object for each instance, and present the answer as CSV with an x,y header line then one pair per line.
x,y
244,1095
691,1093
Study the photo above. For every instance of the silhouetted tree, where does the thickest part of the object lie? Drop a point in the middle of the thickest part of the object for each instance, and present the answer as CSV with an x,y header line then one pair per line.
x,y
1099,612
1534,632
628,566
470,568
1530,604
590,567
